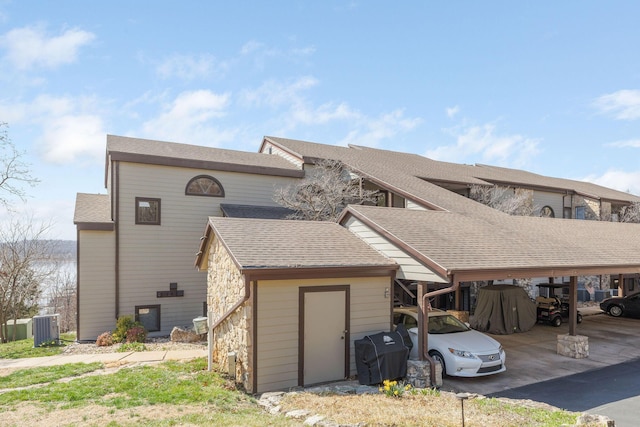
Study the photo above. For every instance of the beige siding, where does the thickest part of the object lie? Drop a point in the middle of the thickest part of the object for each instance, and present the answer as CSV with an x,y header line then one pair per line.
x,y
413,205
278,323
272,149
410,268
553,200
153,256
97,283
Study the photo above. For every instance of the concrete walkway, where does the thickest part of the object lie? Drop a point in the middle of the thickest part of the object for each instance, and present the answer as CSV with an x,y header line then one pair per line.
x,y
128,357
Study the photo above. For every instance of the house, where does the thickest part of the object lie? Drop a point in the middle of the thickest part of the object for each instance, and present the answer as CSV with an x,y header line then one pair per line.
x,y
137,243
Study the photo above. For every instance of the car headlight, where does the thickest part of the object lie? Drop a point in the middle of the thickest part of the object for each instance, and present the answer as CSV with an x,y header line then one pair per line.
x,y
501,350
462,353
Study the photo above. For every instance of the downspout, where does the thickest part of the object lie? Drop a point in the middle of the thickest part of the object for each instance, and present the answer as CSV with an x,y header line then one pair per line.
x,y
225,316
425,345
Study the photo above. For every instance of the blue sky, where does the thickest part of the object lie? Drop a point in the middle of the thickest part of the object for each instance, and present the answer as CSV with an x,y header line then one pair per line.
x,y
550,87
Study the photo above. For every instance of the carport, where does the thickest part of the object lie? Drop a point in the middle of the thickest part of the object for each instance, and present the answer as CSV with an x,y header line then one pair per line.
x,y
452,248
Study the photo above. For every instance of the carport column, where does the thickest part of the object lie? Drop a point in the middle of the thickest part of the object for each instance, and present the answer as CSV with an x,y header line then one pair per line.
x,y
422,312
572,345
573,305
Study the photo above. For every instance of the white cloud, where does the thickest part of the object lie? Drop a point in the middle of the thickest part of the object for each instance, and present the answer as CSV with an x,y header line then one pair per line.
x,y
66,138
30,47
190,67
634,143
452,111
275,94
71,128
371,131
622,105
189,119
483,144
619,180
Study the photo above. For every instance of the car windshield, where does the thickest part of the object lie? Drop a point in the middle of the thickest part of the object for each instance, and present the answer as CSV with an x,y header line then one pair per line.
x,y
446,324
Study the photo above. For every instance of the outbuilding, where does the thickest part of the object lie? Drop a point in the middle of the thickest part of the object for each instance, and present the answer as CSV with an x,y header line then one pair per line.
x,y
287,299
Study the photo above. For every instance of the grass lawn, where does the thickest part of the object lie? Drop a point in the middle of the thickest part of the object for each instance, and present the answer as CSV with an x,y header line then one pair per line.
x,y
185,393
24,348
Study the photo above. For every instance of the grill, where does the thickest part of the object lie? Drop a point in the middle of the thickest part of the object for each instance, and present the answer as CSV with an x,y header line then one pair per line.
x,y
489,357
490,369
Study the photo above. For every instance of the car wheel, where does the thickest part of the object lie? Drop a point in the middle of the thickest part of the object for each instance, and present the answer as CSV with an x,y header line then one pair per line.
x,y
615,311
556,321
435,355
579,319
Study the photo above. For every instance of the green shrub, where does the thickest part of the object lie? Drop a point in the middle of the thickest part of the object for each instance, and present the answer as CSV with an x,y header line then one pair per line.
x,y
123,326
132,346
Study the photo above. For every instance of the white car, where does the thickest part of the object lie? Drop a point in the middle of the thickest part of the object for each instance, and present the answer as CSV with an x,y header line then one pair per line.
x,y
462,351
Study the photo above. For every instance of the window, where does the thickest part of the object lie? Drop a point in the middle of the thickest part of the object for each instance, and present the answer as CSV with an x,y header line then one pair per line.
x,y
547,211
204,185
579,212
149,316
147,211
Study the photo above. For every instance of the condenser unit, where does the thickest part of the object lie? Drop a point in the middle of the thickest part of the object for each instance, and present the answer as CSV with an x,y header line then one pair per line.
x,y
45,329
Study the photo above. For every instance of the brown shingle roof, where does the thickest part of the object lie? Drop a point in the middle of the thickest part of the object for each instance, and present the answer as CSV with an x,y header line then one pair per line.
x,y
398,168
92,209
287,244
461,243
185,155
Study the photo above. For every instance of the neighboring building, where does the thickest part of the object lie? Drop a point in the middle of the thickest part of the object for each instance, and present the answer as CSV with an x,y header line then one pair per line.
x,y
136,244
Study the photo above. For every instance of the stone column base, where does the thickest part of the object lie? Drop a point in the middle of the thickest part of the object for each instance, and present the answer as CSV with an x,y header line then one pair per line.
x,y
419,374
575,346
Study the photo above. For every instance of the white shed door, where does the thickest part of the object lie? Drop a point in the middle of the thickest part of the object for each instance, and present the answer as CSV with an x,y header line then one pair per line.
x,y
324,336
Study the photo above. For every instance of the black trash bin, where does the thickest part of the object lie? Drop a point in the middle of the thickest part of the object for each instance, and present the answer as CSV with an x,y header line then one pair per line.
x,y
382,356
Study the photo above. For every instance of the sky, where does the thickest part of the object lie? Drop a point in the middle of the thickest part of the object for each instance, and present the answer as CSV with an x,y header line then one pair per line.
x,y
548,87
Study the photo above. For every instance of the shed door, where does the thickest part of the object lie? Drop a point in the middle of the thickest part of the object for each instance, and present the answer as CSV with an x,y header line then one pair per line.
x,y
325,339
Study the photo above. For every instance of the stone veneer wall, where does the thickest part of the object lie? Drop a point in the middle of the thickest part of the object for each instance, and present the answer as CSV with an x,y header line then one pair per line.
x,y
225,287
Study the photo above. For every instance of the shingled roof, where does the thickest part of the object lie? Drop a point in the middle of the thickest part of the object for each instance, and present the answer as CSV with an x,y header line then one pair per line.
x,y
93,211
273,245
139,150
399,168
477,248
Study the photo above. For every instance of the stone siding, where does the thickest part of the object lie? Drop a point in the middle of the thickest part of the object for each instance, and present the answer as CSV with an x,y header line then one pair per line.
x,y
225,287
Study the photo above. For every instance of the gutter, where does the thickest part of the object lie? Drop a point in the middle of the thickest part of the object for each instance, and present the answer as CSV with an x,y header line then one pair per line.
x,y
225,316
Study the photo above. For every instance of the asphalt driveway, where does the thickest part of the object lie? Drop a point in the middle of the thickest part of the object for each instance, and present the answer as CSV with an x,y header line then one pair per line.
x,y
532,357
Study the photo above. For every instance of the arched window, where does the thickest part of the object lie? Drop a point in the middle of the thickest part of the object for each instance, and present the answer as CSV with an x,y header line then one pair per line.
x,y
204,185
547,211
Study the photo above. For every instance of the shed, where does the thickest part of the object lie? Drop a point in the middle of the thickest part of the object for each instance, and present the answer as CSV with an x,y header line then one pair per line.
x,y
287,299
23,327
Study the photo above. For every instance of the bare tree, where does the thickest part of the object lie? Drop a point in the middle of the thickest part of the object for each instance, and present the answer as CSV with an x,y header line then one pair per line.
x,y
505,199
324,192
14,173
26,261
630,213
62,298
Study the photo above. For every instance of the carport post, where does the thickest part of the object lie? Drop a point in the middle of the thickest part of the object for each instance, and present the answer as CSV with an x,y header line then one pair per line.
x,y
573,305
422,313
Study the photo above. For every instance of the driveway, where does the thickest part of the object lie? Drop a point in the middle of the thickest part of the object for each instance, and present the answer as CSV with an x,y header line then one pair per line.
x,y
532,357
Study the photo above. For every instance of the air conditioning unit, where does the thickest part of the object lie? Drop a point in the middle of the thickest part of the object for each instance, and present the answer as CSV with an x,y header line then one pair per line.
x,y
45,329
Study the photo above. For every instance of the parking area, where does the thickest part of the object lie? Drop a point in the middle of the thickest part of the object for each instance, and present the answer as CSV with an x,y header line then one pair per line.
x,y
531,356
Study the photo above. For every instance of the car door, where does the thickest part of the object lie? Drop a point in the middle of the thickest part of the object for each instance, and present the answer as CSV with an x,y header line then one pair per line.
x,y
632,306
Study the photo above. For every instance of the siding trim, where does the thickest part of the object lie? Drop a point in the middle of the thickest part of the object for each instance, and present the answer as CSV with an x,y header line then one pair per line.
x,y
115,179
254,339
319,272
